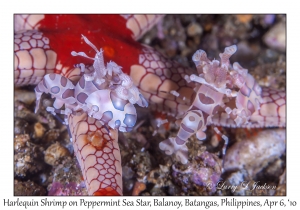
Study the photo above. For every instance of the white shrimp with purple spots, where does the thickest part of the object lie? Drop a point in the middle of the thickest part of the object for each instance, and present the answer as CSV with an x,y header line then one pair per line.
x,y
103,92
222,90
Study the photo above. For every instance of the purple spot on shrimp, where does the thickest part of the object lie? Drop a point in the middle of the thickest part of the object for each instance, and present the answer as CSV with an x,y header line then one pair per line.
x,y
117,124
81,97
107,116
200,124
55,89
196,111
257,89
250,107
82,82
179,141
216,109
118,103
184,127
63,81
204,99
129,120
245,90
52,76
68,93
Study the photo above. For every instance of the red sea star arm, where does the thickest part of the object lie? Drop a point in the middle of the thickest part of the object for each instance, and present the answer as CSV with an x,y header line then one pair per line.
x,y
98,154
272,109
140,24
63,34
33,57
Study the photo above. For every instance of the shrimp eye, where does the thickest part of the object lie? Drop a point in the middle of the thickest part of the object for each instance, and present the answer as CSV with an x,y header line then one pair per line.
x,y
95,108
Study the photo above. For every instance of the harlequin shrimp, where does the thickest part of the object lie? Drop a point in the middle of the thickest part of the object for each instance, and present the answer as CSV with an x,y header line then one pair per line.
x,y
222,90
103,92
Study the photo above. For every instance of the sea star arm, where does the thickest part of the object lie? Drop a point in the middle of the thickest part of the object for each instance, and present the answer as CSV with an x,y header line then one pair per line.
x,y
97,151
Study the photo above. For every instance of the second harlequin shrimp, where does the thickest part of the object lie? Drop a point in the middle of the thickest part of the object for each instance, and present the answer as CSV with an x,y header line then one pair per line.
x,y
221,90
